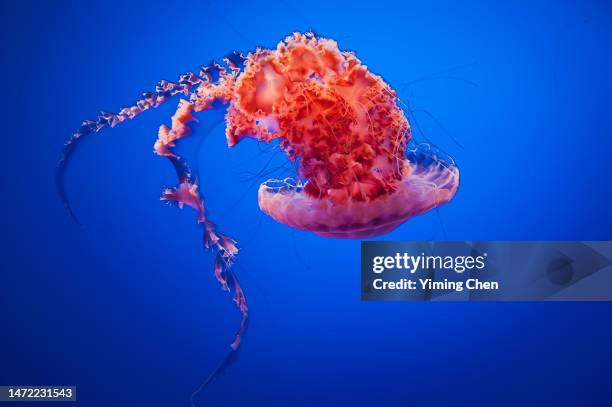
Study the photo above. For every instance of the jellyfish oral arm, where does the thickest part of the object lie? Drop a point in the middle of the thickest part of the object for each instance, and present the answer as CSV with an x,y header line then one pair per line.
x,y
164,91
187,193
345,126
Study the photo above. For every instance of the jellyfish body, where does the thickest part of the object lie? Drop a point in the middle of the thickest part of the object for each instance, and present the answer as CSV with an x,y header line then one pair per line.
x,y
345,126
340,122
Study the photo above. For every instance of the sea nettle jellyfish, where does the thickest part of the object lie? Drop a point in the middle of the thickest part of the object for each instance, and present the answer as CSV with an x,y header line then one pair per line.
x,y
341,123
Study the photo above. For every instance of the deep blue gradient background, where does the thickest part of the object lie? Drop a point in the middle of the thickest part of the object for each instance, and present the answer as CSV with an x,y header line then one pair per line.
x,y
126,307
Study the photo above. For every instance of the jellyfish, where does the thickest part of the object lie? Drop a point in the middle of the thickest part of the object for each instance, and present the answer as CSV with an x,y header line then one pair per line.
x,y
342,125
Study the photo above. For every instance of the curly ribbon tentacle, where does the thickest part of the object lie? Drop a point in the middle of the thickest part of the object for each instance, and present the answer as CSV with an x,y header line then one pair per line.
x,y
214,84
187,193
150,100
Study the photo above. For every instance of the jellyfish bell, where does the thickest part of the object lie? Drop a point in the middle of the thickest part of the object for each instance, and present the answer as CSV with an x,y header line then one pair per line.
x,y
422,189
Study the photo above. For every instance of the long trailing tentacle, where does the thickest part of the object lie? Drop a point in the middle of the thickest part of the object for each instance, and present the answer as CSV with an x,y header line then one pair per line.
x,y
213,85
187,193
163,92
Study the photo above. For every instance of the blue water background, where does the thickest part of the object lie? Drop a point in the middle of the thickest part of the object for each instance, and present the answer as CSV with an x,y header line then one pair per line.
x,y
126,306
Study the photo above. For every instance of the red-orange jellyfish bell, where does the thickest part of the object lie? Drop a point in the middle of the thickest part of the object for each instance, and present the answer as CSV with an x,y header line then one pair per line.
x,y
357,178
